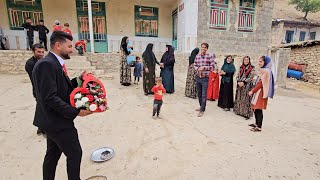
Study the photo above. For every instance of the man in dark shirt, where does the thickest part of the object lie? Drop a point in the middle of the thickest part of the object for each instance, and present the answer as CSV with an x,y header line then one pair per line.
x,y
30,29
43,31
38,53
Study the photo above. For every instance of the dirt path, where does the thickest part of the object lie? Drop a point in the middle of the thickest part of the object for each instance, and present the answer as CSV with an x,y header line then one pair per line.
x,y
180,146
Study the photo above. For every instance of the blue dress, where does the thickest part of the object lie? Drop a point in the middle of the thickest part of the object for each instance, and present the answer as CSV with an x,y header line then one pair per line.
x,y
138,69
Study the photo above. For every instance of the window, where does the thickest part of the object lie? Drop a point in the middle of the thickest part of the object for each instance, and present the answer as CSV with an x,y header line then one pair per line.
x,y
312,36
219,14
289,36
146,21
19,10
246,15
302,35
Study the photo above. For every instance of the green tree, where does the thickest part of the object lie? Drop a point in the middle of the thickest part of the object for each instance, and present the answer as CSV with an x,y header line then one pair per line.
x,y
306,6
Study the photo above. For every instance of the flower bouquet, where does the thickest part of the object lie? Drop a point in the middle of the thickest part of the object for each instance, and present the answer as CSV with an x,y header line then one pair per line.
x,y
90,95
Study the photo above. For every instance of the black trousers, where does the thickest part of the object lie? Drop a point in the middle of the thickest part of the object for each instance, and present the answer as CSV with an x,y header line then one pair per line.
x,y
44,42
30,42
65,141
259,117
157,107
136,78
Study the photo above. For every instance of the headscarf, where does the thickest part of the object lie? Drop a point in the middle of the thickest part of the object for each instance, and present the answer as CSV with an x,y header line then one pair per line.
x,y
193,55
228,68
246,68
148,54
168,56
124,45
267,81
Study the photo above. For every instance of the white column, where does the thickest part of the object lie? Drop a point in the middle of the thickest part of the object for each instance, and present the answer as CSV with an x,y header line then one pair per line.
x,y
90,25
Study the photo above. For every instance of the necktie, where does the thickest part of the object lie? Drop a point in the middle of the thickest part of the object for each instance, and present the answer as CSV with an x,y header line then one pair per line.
x,y
65,69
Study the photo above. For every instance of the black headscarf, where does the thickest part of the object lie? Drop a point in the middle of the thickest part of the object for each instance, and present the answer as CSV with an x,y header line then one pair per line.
x,y
193,55
168,57
124,45
148,55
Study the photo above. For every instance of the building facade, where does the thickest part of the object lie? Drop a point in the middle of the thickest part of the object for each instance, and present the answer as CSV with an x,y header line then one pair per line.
x,y
237,27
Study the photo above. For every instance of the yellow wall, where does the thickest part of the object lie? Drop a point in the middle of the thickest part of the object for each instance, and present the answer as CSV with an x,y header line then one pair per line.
x,y
120,17
62,10
4,21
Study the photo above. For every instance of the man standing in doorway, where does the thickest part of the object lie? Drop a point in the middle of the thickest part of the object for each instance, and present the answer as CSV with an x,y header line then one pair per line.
x,y
43,31
54,114
29,28
38,53
203,64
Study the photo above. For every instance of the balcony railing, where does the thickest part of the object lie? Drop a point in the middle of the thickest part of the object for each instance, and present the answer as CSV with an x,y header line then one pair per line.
x,y
17,17
246,21
218,18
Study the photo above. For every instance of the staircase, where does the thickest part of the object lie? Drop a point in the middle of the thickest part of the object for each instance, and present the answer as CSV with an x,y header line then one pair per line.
x,y
77,64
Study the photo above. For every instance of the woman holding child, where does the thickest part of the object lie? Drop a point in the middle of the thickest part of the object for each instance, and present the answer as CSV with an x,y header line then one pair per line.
x,y
125,70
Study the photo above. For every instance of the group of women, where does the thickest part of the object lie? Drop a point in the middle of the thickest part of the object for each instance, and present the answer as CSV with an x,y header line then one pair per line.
x,y
251,96
149,67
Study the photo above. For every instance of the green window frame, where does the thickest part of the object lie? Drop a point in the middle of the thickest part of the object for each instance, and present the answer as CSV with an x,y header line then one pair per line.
x,y
219,14
146,21
246,16
19,10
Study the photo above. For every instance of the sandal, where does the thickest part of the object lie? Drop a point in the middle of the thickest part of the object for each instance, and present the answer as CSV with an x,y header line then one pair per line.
x,y
252,125
256,129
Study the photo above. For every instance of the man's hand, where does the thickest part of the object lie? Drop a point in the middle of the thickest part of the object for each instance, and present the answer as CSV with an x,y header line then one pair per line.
x,y
84,113
147,70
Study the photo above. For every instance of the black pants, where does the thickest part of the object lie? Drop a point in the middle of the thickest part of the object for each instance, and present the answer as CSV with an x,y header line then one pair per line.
x,y
202,88
157,107
80,50
65,141
136,78
44,42
30,42
259,117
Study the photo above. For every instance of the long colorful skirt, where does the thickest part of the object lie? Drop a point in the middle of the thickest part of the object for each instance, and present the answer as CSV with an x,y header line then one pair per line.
x,y
191,90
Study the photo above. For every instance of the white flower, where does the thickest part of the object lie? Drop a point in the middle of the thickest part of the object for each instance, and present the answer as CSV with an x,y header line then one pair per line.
x,y
93,107
84,99
77,96
79,104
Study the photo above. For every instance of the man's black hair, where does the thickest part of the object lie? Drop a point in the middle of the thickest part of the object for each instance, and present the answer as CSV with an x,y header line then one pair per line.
x,y
59,36
37,46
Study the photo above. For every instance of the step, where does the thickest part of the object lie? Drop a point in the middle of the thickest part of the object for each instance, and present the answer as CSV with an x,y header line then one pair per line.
x,y
96,72
76,63
80,69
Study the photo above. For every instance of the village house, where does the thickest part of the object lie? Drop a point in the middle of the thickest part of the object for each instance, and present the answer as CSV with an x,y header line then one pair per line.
x,y
288,25
238,27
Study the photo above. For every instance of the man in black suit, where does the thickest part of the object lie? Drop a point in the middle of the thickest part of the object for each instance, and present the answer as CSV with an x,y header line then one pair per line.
x,y
38,53
54,114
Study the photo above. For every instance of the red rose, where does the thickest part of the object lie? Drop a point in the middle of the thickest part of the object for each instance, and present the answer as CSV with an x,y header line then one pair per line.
x,y
85,91
90,97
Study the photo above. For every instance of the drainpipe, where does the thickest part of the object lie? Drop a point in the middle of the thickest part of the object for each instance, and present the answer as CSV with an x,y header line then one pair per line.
x,y
90,26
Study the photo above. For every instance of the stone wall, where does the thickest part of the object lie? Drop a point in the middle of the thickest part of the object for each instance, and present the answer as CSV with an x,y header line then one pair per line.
x,y
13,62
230,41
310,56
277,33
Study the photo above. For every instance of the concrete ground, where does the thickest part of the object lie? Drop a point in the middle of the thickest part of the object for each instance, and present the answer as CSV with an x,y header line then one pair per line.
x,y
179,146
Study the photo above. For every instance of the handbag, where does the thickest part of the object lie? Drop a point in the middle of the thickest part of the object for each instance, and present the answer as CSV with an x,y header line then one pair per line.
x,y
131,59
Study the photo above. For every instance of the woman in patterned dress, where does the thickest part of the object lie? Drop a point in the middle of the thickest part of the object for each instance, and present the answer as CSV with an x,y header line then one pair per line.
x,y
242,104
125,69
149,68
191,76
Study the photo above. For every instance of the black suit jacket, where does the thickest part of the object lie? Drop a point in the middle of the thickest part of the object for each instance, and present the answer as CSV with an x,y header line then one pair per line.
x,y
29,67
53,87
